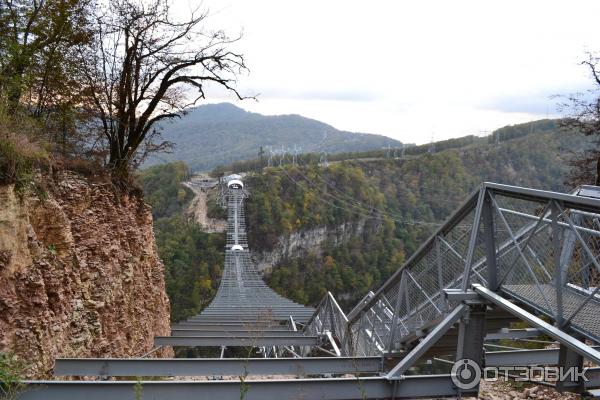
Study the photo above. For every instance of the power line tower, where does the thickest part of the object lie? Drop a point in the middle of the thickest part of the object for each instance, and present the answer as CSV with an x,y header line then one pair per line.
x,y
432,144
295,154
323,159
388,151
261,153
271,154
282,155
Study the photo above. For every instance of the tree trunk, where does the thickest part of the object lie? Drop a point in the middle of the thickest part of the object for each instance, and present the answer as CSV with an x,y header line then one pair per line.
x,y
15,88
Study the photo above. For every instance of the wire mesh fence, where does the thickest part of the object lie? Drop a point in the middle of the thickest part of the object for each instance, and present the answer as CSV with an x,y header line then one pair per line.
x,y
541,248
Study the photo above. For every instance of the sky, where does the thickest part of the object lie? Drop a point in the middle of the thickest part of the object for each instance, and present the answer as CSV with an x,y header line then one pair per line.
x,y
413,70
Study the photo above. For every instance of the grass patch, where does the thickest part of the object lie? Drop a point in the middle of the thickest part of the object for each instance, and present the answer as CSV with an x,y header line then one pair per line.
x,y
11,376
20,154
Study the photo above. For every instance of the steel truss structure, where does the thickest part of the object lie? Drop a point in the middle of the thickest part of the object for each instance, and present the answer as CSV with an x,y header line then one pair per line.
x,y
507,254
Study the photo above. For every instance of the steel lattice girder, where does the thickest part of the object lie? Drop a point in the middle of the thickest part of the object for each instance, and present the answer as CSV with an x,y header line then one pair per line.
x,y
249,317
209,341
231,333
332,389
239,321
229,326
215,366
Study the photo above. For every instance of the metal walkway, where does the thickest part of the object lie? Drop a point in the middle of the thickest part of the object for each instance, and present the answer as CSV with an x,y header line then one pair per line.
x,y
508,254
265,318
242,295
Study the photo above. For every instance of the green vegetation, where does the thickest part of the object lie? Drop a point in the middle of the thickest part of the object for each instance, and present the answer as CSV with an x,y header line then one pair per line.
x,y
377,211
214,209
215,134
193,258
20,154
283,201
193,262
138,389
163,189
61,68
501,135
400,202
11,376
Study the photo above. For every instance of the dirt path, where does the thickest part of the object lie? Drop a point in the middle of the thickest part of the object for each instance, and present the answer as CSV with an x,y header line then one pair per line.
x,y
198,209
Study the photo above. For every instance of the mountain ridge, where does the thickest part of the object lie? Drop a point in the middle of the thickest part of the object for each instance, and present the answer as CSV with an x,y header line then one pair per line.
x,y
215,134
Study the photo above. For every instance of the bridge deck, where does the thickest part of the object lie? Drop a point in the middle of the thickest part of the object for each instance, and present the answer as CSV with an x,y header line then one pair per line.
x,y
243,300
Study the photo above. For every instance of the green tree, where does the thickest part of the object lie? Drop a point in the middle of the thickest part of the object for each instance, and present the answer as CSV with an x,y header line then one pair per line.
x,y
37,42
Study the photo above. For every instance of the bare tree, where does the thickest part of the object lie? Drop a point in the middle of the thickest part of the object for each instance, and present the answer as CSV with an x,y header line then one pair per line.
x,y
142,68
584,110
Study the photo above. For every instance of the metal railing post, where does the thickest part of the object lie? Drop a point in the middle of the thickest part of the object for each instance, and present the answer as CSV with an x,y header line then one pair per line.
x,y
395,315
556,250
440,274
490,245
473,238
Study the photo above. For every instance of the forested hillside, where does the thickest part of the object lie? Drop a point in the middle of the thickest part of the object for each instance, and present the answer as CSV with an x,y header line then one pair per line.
x,y
215,134
391,205
401,200
193,258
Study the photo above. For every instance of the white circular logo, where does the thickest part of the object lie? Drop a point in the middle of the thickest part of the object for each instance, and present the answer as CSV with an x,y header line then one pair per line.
x,y
466,374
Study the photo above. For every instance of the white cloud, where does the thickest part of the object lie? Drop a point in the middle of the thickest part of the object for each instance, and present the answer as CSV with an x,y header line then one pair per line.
x,y
411,68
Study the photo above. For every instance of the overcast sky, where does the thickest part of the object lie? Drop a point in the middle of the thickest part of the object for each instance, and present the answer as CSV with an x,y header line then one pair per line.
x,y
411,70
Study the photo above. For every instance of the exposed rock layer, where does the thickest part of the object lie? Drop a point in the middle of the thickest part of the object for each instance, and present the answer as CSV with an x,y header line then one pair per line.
x,y
307,241
79,274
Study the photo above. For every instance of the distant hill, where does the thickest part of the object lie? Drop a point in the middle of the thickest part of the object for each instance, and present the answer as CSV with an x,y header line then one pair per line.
x,y
216,134
499,136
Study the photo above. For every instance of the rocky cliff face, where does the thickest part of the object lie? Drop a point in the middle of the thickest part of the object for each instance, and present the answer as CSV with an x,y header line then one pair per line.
x,y
79,274
307,241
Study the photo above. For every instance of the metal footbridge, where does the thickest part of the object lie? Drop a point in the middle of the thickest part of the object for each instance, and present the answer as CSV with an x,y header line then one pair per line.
x,y
245,311
507,255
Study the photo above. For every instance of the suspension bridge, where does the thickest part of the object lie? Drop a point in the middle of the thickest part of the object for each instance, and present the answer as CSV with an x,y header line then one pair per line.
x,y
506,255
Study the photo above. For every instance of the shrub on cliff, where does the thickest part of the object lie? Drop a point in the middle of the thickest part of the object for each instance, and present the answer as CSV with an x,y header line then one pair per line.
x,y
20,153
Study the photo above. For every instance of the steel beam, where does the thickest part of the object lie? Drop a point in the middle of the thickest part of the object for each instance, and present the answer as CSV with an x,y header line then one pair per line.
x,y
567,358
471,333
489,243
209,341
228,327
555,333
232,333
569,200
326,389
525,357
517,358
248,319
214,366
432,338
448,225
513,334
